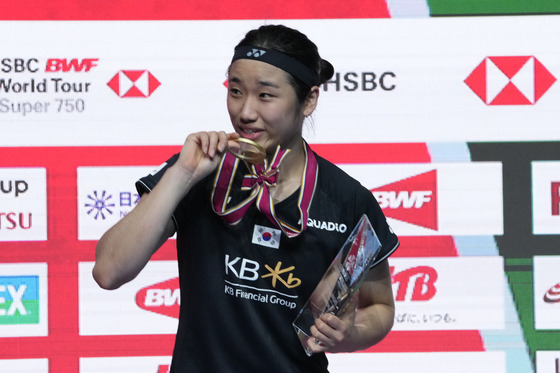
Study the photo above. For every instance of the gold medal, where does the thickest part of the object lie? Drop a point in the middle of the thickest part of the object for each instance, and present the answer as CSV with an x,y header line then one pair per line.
x,y
248,150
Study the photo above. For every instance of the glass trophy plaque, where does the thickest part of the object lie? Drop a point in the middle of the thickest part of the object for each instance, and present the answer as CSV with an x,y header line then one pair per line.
x,y
341,281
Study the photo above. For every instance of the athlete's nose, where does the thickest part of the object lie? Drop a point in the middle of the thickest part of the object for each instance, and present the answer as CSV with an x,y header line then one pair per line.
x,y
248,112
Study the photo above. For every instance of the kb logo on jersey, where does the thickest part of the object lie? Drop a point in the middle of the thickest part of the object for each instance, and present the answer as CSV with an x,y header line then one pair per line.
x,y
266,236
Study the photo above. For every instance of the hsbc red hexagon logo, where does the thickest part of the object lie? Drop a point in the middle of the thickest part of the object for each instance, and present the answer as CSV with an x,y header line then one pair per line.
x,y
515,80
134,83
163,298
412,200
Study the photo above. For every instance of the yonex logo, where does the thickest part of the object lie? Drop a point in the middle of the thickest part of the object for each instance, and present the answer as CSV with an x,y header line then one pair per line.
x,y
517,80
256,53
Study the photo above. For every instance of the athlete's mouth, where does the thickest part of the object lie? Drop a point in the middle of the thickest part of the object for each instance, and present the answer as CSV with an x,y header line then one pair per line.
x,y
250,131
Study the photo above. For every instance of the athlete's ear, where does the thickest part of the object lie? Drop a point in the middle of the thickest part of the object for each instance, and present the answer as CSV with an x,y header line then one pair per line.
x,y
311,101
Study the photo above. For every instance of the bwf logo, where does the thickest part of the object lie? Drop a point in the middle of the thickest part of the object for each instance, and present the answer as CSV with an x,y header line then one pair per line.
x,y
412,200
517,80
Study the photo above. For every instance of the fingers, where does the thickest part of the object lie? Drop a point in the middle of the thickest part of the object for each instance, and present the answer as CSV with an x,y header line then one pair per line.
x,y
323,334
212,143
232,144
331,333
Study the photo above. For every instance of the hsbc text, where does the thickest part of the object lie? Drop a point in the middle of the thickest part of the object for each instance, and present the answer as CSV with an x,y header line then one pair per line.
x,y
363,81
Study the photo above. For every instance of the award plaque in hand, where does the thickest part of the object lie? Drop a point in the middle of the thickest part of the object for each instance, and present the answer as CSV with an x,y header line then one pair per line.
x,y
341,281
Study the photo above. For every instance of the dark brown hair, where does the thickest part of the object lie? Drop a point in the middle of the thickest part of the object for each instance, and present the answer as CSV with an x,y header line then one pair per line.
x,y
292,43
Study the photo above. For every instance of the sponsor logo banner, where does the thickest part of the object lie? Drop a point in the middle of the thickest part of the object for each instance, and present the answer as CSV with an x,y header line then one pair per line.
x,y
445,294
146,305
546,283
546,196
437,198
105,195
138,364
111,97
434,362
23,300
23,204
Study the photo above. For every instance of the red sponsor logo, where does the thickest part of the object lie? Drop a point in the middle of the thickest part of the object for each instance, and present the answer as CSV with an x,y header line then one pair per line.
x,y
163,369
134,83
518,80
415,284
412,200
66,65
555,197
163,298
552,295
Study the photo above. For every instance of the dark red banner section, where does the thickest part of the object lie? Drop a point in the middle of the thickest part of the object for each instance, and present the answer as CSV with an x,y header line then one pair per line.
x,y
144,10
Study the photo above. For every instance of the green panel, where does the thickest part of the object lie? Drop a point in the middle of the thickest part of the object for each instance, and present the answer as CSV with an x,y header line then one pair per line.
x,y
492,7
15,317
521,283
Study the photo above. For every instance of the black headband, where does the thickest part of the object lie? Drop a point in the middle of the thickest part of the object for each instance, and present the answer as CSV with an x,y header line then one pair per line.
x,y
280,60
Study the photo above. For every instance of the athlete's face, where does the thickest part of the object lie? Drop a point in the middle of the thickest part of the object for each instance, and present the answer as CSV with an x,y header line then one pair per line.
x,y
263,106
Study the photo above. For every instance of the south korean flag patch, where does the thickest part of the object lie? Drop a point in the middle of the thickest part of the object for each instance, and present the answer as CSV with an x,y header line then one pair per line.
x,y
266,236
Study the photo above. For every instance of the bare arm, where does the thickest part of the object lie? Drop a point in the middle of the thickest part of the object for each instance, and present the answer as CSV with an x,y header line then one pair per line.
x,y
365,325
124,250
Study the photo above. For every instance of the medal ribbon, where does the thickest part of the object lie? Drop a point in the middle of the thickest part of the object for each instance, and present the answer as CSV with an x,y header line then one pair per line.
x,y
262,177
